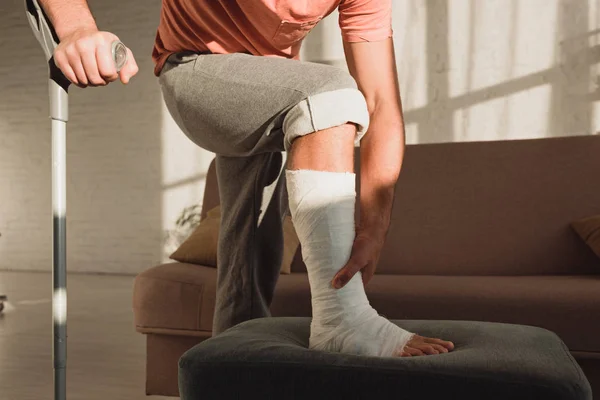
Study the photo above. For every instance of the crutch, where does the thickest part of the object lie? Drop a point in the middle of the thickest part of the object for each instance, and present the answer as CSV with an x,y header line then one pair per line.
x,y
59,113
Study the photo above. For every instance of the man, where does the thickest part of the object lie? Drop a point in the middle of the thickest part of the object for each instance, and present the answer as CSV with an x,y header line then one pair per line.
x,y
230,76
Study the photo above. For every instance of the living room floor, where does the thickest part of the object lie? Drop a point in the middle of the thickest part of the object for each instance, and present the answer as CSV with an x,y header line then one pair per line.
x,y
105,355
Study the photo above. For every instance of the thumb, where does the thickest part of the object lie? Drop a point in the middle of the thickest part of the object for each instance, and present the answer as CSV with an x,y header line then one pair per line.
x,y
129,69
346,273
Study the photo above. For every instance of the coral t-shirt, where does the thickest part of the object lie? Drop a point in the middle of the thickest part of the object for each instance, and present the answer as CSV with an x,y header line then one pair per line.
x,y
261,27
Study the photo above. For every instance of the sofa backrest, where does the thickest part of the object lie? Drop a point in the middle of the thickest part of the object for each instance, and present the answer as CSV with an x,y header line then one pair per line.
x,y
488,208
495,208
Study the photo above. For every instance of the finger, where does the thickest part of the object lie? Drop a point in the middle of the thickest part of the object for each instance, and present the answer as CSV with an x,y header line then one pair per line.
x,y
346,273
129,69
62,63
77,66
106,63
88,60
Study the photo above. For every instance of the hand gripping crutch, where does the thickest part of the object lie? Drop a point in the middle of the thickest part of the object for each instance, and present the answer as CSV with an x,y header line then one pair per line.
x,y
59,113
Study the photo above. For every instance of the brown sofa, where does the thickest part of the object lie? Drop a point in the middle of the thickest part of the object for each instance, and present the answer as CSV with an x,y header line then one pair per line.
x,y
480,232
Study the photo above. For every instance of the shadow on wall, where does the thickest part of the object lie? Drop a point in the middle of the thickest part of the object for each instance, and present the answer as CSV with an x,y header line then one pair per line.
x,y
571,108
491,70
114,187
566,101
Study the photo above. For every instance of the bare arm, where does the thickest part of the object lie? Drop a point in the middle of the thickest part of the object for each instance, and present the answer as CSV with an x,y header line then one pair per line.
x,y
68,16
373,66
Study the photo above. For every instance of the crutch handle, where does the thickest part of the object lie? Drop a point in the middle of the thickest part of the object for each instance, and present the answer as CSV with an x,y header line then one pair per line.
x,y
45,34
59,84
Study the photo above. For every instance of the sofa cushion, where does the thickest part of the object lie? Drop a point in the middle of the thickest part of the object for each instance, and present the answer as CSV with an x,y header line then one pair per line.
x,y
175,296
269,358
201,246
589,230
567,305
181,297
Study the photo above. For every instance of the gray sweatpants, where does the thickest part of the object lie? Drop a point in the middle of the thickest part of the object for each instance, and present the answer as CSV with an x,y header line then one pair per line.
x,y
247,110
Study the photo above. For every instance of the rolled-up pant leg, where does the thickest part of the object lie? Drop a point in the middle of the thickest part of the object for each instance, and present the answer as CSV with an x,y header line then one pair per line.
x,y
248,109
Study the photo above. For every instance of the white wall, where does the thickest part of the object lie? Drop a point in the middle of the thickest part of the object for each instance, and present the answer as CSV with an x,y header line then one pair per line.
x,y
469,70
490,70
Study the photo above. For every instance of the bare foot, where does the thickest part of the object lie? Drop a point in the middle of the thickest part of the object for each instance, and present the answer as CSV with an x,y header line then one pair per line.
x,y
368,333
422,345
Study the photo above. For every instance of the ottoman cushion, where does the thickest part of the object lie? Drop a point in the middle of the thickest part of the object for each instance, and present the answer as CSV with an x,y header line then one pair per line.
x,y
268,358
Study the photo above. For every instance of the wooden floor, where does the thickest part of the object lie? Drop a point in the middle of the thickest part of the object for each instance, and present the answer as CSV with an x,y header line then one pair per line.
x,y
105,356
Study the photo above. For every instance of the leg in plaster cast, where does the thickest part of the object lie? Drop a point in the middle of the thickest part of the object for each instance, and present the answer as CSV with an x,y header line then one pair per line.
x,y
321,190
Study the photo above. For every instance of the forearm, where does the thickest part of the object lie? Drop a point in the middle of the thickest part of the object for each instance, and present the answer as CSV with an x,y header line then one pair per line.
x,y
381,156
68,15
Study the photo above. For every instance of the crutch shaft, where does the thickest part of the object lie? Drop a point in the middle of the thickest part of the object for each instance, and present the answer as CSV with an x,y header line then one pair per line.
x,y
59,113
59,256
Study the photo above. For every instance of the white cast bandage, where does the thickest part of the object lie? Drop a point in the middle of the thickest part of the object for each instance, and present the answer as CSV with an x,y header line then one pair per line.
x,y
322,209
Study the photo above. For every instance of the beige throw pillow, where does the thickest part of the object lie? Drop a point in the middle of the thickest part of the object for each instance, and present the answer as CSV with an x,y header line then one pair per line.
x,y
201,246
589,230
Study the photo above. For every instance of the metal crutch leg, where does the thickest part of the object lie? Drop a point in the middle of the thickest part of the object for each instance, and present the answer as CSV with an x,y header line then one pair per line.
x,y
59,106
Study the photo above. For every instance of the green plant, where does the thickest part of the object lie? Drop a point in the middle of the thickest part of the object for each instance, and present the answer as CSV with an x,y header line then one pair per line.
x,y
189,217
186,222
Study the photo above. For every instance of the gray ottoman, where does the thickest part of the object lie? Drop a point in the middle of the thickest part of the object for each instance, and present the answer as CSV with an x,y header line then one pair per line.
x,y
268,358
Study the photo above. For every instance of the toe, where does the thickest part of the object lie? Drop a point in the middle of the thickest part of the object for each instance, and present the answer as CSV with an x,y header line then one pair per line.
x,y
428,349
413,351
439,348
401,353
445,343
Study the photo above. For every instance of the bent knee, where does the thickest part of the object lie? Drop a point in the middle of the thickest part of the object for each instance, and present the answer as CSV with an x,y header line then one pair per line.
x,y
335,79
327,109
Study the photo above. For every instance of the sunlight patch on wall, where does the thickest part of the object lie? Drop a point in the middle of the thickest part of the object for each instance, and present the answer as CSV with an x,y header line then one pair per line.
x,y
410,28
496,41
596,118
594,26
411,132
518,116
